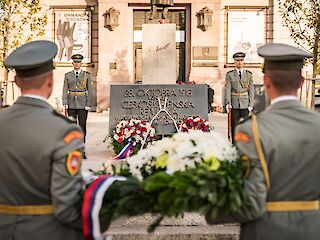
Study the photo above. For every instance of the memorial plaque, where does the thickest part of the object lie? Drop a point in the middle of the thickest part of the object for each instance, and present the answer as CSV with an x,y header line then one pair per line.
x,y
205,53
141,102
205,64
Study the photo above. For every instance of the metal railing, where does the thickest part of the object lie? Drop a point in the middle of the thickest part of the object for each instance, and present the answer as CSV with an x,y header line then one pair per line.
x,y
7,89
309,94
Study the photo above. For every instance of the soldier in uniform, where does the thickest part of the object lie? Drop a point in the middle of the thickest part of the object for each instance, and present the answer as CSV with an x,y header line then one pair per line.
x,y
165,4
40,155
239,92
77,93
282,146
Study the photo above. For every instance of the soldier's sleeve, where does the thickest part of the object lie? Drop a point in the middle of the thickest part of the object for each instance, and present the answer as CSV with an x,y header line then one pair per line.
x,y
66,179
65,91
255,182
89,87
251,90
228,89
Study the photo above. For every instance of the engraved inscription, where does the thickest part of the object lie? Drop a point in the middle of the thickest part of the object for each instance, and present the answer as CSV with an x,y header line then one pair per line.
x,y
142,102
163,47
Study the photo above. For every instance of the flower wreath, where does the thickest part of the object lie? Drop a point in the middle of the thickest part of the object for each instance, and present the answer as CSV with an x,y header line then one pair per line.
x,y
131,131
194,123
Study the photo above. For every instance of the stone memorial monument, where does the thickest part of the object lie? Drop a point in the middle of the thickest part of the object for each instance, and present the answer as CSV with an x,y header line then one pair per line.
x,y
142,102
159,54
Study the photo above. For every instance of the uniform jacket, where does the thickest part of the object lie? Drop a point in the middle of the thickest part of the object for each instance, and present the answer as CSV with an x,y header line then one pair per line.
x,y
236,85
81,85
33,172
289,135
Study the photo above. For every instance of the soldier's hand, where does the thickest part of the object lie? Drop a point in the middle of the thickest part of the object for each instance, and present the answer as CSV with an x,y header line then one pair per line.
x,y
228,107
250,109
87,108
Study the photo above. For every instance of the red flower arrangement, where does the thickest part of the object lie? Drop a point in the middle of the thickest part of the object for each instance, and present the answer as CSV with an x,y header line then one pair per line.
x,y
131,130
194,123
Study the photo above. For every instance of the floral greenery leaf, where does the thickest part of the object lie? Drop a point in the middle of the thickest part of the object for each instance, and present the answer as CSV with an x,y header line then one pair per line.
x,y
193,190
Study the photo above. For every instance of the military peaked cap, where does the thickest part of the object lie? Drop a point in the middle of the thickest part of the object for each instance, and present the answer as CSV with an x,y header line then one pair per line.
x,y
239,56
33,58
278,56
77,57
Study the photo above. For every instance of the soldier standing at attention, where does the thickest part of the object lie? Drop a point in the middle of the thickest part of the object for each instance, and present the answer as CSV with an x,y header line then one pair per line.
x,y
282,146
77,93
40,155
239,92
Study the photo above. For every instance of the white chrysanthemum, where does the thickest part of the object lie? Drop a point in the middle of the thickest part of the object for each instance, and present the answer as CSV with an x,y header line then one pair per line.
x,y
184,150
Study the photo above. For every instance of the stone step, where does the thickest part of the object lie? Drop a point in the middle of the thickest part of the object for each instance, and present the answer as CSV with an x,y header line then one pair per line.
x,y
191,226
216,232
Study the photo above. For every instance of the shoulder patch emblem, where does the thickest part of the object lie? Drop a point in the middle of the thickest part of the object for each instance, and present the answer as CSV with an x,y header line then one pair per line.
x,y
241,136
63,117
73,135
73,162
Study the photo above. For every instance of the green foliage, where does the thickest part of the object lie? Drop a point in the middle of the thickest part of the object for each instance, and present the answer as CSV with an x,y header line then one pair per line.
x,y
198,190
194,190
302,17
21,22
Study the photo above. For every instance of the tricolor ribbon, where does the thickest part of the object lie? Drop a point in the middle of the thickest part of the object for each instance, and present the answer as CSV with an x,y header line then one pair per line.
x,y
127,151
93,198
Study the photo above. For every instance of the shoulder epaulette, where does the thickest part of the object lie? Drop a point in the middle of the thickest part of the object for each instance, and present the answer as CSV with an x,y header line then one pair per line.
x,y
249,71
63,117
242,120
230,71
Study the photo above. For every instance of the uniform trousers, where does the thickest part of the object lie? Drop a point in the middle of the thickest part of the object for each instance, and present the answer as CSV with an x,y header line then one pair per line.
x,y
236,115
80,115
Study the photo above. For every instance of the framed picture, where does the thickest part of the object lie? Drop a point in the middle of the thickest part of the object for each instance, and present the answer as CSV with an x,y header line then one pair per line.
x,y
72,34
246,32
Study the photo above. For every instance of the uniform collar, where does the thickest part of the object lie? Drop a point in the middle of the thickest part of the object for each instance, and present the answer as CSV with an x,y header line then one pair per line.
x,y
286,104
35,96
77,71
283,98
239,70
36,102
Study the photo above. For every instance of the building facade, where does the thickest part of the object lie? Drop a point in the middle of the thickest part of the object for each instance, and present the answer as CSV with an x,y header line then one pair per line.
x,y
109,35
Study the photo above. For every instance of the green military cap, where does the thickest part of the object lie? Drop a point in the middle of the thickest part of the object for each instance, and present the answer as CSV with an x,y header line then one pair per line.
x,y
33,58
77,57
239,56
278,56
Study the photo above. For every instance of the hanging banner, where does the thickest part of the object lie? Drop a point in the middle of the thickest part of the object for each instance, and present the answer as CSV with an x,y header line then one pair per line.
x,y
246,33
72,34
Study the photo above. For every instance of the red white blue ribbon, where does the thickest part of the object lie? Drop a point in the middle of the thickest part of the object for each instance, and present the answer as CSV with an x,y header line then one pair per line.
x,y
93,198
127,151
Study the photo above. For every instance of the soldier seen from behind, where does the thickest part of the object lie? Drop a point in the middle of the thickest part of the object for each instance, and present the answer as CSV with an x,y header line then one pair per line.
x,y
40,155
280,149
